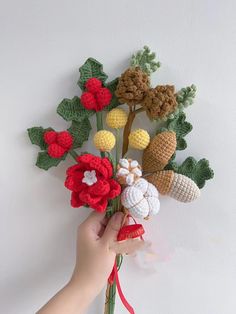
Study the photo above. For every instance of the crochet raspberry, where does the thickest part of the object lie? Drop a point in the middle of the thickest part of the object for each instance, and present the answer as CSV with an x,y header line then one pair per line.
x,y
65,139
91,182
55,150
93,85
88,101
103,97
50,137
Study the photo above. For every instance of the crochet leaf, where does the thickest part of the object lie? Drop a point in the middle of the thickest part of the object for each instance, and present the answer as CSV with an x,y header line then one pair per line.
x,y
80,132
91,68
71,109
36,136
114,101
198,171
145,59
181,128
44,161
186,96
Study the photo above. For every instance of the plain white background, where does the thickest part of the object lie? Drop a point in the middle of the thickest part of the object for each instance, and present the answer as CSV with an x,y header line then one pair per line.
x,y
42,44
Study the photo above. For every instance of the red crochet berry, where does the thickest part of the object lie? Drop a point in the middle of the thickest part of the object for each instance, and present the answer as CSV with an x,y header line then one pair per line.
x,y
103,97
55,150
64,139
50,137
88,101
93,85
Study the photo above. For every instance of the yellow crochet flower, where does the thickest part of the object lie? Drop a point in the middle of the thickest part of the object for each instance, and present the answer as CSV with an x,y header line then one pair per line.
x,y
139,139
116,118
104,140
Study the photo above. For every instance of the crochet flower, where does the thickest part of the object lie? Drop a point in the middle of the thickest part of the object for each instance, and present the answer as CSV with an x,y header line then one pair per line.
x,y
91,182
128,171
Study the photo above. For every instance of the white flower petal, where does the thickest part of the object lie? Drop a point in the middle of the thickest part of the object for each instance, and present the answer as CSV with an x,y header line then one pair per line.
x,y
134,164
124,163
130,179
137,172
122,172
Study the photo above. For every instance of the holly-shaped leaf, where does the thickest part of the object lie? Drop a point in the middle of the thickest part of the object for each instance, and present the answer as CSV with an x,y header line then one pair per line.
x,y
198,171
114,101
44,161
181,128
72,109
80,132
36,136
91,68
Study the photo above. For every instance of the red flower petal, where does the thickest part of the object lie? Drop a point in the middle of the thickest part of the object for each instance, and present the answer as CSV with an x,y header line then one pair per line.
x,y
101,188
106,162
85,158
75,200
115,189
88,199
101,205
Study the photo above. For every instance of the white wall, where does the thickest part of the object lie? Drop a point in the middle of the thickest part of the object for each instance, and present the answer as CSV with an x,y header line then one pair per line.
x,y
42,44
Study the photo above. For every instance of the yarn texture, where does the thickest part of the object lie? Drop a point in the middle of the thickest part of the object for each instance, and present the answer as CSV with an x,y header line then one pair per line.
x,y
159,151
141,199
160,101
139,139
128,171
116,118
132,86
104,141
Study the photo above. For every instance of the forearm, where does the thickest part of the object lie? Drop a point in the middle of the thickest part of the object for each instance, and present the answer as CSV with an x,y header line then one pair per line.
x,y
72,299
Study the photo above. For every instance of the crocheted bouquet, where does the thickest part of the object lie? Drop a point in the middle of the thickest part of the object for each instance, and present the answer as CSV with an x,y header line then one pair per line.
x,y
111,181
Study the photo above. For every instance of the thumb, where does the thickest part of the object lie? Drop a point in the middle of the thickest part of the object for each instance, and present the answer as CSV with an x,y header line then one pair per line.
x,y
112,228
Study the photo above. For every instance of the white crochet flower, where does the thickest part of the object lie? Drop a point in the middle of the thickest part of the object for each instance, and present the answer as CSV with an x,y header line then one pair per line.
x,y
89,177
128,171
141,199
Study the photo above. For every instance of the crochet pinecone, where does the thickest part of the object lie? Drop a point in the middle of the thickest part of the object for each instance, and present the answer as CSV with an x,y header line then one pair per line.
x,y
159,151
175,185
160,101
132,86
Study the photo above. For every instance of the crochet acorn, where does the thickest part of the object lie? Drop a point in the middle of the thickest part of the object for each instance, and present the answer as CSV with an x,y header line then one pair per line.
x,y
159,151
132,86
104,140
175,185
116,118
139,139
159,102
141,199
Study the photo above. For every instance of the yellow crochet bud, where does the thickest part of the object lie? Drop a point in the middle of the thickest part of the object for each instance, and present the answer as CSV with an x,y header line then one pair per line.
x,y
116,118
104,140
139,139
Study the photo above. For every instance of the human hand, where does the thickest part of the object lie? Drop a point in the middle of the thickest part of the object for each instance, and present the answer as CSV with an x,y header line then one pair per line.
x,y
96,251
97,247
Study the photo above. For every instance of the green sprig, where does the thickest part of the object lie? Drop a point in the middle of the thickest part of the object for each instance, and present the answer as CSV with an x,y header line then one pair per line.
x,y
145,59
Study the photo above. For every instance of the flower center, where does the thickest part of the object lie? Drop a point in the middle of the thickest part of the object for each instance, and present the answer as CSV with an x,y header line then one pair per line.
x,y
89,177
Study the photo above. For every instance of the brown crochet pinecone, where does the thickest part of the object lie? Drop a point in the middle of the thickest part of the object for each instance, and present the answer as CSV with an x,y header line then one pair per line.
x,y
132,86
160,101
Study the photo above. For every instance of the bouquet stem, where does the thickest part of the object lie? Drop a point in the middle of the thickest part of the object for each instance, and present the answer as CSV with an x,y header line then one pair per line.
x,y
111,292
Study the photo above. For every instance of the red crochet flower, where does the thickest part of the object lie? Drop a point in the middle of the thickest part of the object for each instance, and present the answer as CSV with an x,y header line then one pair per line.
x,y
91,182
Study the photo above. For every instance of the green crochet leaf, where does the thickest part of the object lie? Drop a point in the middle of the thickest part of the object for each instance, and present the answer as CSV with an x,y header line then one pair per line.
x,y
114,101
186,96
80,132
72,109
198,171
91,68
145,59
181,128
44,161
36,136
